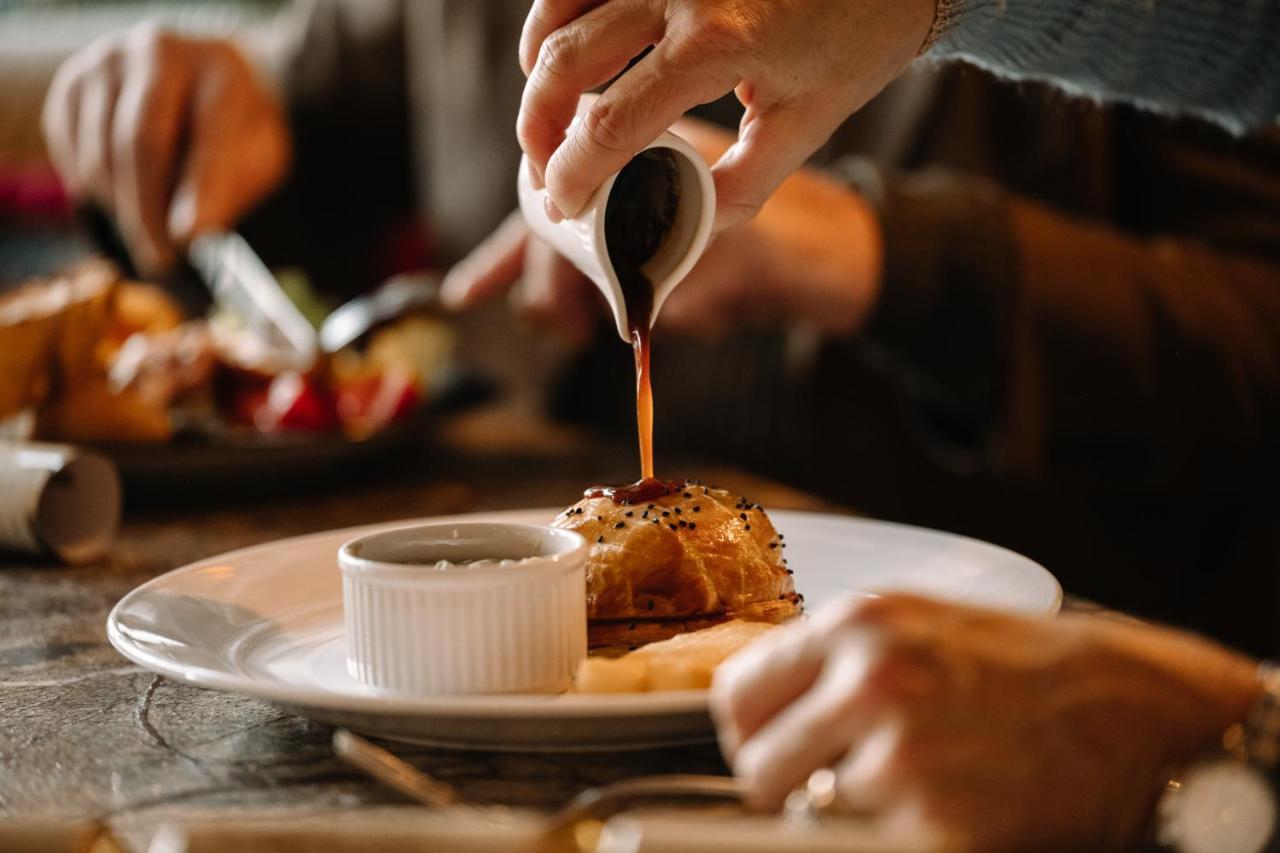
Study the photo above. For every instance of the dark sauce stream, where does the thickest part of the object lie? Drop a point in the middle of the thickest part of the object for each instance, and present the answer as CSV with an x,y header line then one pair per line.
x,y
639,214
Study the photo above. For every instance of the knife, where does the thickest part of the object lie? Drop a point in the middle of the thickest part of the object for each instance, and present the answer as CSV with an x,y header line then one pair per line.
x,y
227,267
242,285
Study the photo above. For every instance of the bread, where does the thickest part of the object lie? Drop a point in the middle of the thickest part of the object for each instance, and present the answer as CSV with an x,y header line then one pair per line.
x,y
50,329
684,662
694,558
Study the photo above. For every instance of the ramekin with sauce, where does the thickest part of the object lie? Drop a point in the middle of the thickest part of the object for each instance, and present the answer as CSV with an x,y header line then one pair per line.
x,y
468,607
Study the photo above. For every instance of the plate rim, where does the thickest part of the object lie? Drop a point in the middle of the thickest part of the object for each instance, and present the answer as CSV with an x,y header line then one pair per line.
x,y
526,706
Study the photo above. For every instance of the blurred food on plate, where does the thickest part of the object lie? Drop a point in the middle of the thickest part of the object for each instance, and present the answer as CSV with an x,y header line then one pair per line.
x,y
92,357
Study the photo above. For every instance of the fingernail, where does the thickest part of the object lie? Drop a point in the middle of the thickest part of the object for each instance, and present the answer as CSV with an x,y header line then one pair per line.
x,y
554,213
183,212
535,175
451,291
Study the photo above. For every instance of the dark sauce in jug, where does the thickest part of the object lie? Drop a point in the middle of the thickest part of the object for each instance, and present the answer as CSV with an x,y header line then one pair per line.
x,y
639,214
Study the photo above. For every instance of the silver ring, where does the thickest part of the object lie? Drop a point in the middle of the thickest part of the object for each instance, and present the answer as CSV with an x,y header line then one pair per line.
x,y
813,800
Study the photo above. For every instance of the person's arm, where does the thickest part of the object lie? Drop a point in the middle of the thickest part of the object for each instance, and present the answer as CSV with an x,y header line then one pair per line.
x,y
1210,58
1024,340
341,69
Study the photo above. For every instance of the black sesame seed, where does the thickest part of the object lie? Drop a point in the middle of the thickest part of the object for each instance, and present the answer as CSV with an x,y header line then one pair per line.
x,y
630,513
665,513
780,536
692,525
599,538
688,495
644,514
684,523
672,526
656,521
697,509
651,506
746,527
677,510
782,598
599,518
773,544
620,525
789,571
742,515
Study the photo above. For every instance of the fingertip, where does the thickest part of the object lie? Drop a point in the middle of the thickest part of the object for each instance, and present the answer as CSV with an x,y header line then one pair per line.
x,y
534,171
183,215
752,764
553,211
457,289
453,291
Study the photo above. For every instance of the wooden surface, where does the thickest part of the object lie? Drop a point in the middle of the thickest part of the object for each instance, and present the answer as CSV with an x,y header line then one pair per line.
x,y
84,734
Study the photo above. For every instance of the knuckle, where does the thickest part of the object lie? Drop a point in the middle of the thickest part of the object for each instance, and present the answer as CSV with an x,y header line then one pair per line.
x,y
737,210
867,609
607,126
560,52
714,35
151,44
882,611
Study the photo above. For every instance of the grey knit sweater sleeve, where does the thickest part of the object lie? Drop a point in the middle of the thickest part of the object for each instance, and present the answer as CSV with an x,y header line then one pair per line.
x,y
1218,59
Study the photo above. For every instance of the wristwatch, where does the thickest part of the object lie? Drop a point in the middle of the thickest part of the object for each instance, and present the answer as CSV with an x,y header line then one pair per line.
x,y
1225,801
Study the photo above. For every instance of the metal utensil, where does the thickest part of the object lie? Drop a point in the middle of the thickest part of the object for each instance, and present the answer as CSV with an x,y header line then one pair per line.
x,y
398,295
241,284
595,803
392,771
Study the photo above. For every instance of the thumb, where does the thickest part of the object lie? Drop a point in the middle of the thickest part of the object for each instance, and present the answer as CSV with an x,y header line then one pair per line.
x,y
772,143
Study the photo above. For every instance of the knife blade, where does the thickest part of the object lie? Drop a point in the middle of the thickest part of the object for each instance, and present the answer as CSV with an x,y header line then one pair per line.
x,y
242,285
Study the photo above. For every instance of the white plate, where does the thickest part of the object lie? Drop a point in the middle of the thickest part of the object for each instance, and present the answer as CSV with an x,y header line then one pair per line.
x,y
266,622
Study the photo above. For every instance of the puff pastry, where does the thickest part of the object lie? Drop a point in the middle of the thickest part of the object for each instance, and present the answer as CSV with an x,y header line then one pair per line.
x,y
694,558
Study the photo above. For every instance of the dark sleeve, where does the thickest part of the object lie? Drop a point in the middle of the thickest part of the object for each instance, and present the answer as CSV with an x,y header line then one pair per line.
x,y
1025,341
340,67
1216,59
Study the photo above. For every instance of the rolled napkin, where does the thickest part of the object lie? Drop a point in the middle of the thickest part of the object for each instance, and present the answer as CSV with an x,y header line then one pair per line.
x,y
57,500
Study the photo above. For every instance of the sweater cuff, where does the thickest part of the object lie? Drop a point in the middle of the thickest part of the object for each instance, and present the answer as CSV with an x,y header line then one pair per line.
x,y
941,325
945,13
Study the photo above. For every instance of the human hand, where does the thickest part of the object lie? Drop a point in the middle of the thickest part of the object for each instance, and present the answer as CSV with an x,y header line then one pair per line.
x,y
1002,733
812,256
172,135
799,67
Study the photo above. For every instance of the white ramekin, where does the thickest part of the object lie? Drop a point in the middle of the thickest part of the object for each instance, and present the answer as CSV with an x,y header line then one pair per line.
x,y
421,618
